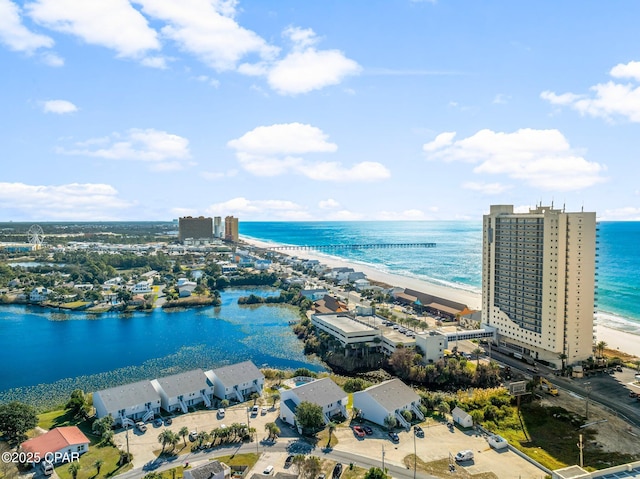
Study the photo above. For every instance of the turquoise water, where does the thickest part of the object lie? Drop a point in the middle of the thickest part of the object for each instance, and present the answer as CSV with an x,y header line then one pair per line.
x,y
456,260
47,354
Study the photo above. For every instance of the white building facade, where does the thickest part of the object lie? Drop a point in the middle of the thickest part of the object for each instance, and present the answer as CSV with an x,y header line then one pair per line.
x,y
538,282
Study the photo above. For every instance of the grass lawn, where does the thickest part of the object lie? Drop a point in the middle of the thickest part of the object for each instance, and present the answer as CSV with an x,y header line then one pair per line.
x,y
323,439
249,459
74,305
327,466
173,473
440,468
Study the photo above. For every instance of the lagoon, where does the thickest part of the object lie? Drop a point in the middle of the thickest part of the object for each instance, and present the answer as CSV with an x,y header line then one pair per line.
x,y
45,350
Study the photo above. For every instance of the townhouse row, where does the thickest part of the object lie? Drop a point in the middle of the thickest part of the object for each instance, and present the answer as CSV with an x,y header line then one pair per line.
x,y
142,400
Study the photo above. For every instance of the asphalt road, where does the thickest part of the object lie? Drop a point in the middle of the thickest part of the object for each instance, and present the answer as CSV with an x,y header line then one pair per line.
x,y
295,446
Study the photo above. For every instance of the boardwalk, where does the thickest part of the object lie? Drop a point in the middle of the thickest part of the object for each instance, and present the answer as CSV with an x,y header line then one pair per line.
x,y
334,247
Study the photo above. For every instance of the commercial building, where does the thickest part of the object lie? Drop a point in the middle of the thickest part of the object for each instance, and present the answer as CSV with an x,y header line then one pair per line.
x,y
217,227
538,282
231,229
195,228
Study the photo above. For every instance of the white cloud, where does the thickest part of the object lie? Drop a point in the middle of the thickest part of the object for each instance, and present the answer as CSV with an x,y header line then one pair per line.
x,y
486,188
628,70
155,62
607,100
281,209
59,106
217,175
73,201
208,31
15,35
276,149
329,203
406,215
629,213
501,99
52,59
541,158
440,141
126,30
167,152
305,68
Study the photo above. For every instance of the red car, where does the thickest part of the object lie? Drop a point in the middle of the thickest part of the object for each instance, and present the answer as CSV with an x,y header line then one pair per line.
x,y
358,431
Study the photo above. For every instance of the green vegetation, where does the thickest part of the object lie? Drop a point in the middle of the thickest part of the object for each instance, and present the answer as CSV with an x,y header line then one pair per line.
x,y
249,459
310,418
109,457
16,419
440,468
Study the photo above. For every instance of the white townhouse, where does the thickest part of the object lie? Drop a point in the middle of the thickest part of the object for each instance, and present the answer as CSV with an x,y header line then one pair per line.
x,y
179,391
128,403
391,397
57,444
39,294
323,392
237,381
117,281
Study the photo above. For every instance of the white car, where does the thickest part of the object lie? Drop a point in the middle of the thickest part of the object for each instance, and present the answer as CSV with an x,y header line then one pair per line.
x,y
466,455
264,410
221,412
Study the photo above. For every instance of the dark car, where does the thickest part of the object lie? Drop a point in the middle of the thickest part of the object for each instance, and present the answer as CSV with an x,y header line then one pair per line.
x,y
168,421
288,461
367,430
418,431
157,422
393,436
337,471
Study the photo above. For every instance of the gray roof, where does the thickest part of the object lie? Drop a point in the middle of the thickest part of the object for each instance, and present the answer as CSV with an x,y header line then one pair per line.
x,y
184,383
207,470
127,395
321,392
238,373
392,394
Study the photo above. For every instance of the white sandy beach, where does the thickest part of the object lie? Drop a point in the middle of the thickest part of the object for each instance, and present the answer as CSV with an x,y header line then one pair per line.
x,y
616,340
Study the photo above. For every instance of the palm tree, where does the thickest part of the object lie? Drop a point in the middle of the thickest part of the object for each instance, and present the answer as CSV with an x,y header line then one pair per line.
x,y
477,352
98,465
175,439
390,422
74,468
275,396
164,438
184,432
332,427
600,347
563,357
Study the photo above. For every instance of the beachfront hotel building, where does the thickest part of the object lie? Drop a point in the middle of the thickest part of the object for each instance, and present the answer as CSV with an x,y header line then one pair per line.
x,y
231,229
538,282
195,228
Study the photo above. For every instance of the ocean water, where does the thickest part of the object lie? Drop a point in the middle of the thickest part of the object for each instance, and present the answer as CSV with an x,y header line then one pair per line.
x,y
456,259
46,354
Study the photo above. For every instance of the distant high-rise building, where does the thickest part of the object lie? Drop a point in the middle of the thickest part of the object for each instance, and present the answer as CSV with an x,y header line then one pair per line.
x,y
195,228
538,282
231,229
217,227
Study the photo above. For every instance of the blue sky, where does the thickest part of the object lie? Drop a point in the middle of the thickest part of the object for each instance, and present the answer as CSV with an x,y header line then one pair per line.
x,y
317,110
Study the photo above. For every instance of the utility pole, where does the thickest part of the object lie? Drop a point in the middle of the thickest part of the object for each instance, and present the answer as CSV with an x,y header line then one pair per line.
x,y
581,447
383,470
415,456
588,389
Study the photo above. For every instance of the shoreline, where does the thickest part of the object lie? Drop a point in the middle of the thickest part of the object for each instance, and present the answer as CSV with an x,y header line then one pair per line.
x,y
616,339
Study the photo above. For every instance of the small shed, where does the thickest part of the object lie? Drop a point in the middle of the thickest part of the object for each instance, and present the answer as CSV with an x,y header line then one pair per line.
x,y
498,442
461,417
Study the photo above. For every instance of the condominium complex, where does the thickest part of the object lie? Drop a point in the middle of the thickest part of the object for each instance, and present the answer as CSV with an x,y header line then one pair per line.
x,y
195,228
217,227
538,282
231,229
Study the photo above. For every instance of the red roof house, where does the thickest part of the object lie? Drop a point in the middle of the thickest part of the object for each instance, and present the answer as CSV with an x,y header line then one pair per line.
x,y
56,443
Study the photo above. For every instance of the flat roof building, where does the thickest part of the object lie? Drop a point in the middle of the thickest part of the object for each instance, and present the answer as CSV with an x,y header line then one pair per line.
x,y
195,228
538,282
231,229
345,328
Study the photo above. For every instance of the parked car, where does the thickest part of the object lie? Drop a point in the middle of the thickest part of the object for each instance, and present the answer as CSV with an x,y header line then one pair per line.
x,y
157,422
393,436
288,461
337,471
418,431
367,430
221,412
264,410
268,470
168,421
632,394
466,455
255,410
619,368
193,435
142,427
358,431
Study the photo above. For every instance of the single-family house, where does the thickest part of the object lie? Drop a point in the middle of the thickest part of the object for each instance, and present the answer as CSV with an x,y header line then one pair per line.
x,y
314,294
39,294
186,289
209,470
361,284
323,392
461,417
388,398
57,444
179,391
84,286
236,381
142,287
262,264
329,304
117,281
128,403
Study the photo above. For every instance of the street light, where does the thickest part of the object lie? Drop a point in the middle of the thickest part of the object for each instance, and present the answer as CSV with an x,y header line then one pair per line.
x,y
588,389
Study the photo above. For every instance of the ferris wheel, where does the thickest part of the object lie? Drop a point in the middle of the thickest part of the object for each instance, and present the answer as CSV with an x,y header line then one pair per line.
x,y
35,235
